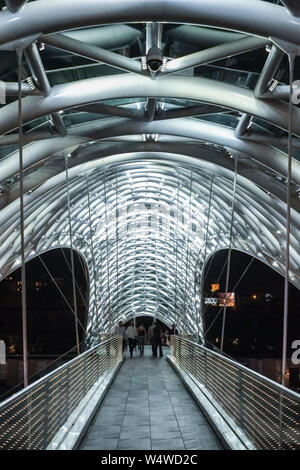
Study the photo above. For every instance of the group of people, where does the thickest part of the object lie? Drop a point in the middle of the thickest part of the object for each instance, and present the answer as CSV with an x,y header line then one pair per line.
x,y
138,336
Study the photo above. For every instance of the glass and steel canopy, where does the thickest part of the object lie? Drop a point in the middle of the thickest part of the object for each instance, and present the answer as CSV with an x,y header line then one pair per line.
x,y
151,156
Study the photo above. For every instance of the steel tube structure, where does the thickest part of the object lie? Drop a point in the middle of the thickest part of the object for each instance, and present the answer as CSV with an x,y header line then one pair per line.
x,y
268,156
272,63
111,37
11,89
142,232
130,86
92,52
72,257
228,265
219,52
255,17
37,69
288,227
19,53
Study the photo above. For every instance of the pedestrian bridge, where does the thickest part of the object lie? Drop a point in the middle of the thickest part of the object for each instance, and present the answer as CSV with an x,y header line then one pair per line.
x,y
192,398
147,135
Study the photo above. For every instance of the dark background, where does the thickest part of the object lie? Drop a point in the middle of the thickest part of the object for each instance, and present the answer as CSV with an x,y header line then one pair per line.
x,y
51,323
255,325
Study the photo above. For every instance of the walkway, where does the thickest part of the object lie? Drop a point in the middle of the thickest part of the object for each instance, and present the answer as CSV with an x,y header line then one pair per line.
x,y
147,408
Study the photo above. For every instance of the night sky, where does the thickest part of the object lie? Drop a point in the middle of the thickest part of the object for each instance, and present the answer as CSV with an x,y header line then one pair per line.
x,y
50,320
259,276
255,323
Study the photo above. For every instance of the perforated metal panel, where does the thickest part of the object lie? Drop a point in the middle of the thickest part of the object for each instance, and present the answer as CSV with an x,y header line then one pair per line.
x,y
267,413
31,418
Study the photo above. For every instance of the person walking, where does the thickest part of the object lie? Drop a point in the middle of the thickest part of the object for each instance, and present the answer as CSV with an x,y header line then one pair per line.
x,y
141,331
151,337
157,340
131,335
174,330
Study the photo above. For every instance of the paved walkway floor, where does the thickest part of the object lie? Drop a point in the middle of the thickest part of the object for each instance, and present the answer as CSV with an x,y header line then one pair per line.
x,y
148,408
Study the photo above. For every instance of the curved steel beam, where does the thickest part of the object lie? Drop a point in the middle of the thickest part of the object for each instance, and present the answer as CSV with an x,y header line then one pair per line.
x,y
47,206
270,157
247,168
92,52
213,54
116,36
255,17
130,86
50,213
201,36
6,213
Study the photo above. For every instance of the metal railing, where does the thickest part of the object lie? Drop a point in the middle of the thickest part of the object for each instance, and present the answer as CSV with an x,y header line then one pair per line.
x,y
52,365
267,413
32,417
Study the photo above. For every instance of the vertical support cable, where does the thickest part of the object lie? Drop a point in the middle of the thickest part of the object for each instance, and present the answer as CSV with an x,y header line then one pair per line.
x,y
91,244
176,315
204,256
22,226
72,257
187,253
110,326
288,223
229,253
117,238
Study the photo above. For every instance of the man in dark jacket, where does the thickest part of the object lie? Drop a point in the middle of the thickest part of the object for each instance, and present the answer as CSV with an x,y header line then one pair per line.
x,y
157,340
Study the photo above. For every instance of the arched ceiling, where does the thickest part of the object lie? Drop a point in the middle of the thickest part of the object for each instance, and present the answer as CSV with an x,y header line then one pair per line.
x,y
147,151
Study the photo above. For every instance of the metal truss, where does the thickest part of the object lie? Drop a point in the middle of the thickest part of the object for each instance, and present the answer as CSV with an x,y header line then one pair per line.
x,y
142,146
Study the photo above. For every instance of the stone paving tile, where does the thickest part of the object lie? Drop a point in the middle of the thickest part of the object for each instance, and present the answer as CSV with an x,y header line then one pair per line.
x,y
108,422
101,444
172,434
135,432
161,407
156,419
148,407
137,409
134,444
190,419
209,443
103,432
130,420
167,444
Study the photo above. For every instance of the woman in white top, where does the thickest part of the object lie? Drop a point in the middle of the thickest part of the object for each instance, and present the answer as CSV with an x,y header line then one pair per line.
x,y
131,335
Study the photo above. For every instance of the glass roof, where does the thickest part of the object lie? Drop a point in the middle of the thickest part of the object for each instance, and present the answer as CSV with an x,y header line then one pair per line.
x,y
144,147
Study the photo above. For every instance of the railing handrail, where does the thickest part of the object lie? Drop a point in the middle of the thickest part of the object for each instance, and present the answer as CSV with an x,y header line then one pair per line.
x,y
261,413
50,412
279,387
35,384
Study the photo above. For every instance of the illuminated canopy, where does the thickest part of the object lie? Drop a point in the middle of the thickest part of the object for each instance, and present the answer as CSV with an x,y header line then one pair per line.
x,y
150,156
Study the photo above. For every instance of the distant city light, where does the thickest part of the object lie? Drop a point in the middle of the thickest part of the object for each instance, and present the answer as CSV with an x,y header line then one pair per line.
x,y
215,287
